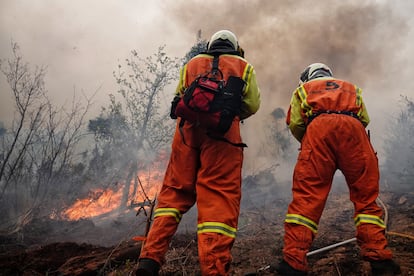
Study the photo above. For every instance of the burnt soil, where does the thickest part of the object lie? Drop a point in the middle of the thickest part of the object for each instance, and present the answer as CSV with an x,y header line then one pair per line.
x,y
49,247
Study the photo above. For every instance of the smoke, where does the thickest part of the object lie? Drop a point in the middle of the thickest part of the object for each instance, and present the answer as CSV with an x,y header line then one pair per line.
x,y
281,37
367,42
361,41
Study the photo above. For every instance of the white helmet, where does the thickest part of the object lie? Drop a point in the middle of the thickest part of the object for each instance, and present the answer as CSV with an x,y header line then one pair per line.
x,y
315,70
224,35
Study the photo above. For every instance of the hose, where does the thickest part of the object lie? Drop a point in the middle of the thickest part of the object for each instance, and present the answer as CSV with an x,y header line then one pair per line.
x,y
385,211
329,247
400,235
386,220
353,239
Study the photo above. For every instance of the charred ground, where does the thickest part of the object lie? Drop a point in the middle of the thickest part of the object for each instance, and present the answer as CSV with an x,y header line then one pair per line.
x,y
48,247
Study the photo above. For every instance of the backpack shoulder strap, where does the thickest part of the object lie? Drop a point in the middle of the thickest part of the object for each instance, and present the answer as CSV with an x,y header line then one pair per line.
x,y
215,70
215,62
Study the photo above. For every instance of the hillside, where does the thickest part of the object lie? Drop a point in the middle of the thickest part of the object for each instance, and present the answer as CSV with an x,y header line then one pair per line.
x,y
73,248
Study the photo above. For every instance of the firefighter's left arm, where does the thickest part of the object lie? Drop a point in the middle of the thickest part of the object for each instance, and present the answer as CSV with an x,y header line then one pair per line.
x,y
179,91
294,118
251,96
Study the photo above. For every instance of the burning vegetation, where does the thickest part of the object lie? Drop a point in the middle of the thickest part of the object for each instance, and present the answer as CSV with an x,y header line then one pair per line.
x,y
73,247
99,201
67,210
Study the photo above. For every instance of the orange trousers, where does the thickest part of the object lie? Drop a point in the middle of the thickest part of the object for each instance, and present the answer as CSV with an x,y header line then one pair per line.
x,y
206,172
332,142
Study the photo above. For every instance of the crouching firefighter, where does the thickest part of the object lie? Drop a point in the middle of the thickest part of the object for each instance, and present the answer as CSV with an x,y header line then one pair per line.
x,y
205,164
328,117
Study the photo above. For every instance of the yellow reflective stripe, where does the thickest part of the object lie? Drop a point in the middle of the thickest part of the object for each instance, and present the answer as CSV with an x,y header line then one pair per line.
x,y
304,105
302,93
216,227
168,212
298,219
362,218
183,78
247,73
358,96
203,55
358,100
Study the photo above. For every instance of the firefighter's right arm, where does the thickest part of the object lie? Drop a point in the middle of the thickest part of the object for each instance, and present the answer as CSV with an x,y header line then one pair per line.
x,y
363,116
362,113
294,118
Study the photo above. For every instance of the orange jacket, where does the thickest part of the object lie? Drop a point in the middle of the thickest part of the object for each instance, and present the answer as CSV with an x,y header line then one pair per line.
x,y
321,95
230,65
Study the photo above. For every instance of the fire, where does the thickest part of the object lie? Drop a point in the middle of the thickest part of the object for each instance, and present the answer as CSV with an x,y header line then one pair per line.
x,y
98,202
102,201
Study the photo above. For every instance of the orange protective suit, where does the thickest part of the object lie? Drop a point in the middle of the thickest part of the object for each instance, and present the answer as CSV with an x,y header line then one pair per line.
x,y
328,116
207,172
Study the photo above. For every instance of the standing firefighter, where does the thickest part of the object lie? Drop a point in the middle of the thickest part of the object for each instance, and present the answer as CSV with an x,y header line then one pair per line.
x,y
204,169
328,116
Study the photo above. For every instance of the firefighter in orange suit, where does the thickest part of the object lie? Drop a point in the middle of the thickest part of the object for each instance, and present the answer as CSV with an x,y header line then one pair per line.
x,y
328,117
204,171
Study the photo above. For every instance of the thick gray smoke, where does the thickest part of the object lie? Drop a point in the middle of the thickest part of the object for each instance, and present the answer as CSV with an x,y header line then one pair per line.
x,y
359,40
368,42
362,41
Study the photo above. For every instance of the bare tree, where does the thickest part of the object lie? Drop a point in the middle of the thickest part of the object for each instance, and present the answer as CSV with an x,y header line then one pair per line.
x,y
28,92
38,150
134,129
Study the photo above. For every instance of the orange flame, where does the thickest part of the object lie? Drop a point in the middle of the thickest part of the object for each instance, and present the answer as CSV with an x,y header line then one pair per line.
x,y
102,201
98,202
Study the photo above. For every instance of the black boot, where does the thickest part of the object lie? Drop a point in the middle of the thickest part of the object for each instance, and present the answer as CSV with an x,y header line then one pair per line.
x,y
283,268
147,267
385,267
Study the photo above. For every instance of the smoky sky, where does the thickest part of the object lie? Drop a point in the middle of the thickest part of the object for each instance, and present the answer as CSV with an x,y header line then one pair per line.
x,y
366,42
82,42
357,39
